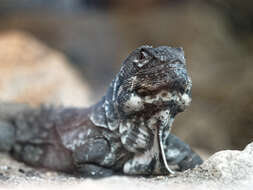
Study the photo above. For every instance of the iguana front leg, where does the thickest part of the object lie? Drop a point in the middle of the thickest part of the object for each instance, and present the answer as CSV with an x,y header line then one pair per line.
x,y
179,153
89,156
148,159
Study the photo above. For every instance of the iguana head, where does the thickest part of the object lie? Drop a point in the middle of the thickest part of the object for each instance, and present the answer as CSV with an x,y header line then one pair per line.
x,y
155,77
150,80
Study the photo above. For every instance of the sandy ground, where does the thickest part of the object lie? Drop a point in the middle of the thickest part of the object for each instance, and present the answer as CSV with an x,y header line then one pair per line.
x,y
15,175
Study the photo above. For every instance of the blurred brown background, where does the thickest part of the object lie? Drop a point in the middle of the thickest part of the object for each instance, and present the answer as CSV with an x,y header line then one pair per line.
x,y
97,35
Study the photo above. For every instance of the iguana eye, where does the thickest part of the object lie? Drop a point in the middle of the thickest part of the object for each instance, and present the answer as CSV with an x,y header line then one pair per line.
x,y
143,56
142,59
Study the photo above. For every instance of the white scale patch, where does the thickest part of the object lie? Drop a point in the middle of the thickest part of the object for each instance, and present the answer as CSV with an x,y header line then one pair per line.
x,y
124,127
140,64
172,153
164,96
79,139
123,139
134,103
186,99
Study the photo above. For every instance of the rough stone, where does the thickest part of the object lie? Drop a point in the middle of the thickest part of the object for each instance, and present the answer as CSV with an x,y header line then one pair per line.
x,y
229,169
33,73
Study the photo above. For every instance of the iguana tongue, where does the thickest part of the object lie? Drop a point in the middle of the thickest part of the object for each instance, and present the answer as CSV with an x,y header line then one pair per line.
x,y
160,140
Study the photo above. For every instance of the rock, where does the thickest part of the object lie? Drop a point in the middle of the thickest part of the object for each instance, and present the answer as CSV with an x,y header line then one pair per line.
x,y
31,72
231,165
229,168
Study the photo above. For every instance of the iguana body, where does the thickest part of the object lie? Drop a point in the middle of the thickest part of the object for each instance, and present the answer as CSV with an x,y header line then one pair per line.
x,y
127,131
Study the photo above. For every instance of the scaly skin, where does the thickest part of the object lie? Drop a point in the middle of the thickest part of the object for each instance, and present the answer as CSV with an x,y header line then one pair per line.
x,y
126,132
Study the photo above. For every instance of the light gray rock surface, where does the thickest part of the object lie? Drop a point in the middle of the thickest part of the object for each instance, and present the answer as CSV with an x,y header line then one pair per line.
x,y
33,73
229,169
224,170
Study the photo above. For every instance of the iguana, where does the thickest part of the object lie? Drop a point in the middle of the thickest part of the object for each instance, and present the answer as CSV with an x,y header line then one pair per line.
x,y
126,132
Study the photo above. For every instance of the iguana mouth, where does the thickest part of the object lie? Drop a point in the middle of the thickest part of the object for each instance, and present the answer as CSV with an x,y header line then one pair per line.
x,y
172,79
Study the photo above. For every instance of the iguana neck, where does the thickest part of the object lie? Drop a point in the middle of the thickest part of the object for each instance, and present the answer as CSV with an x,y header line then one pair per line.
x,y
105,112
